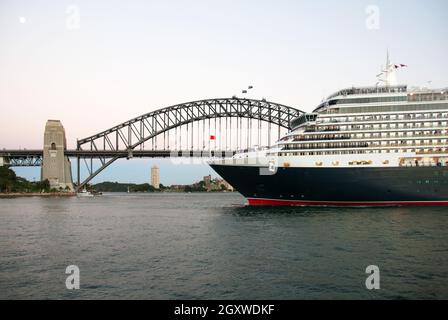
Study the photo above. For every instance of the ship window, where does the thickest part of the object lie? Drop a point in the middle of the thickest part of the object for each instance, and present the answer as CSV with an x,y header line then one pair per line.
x,y
367,100
393,108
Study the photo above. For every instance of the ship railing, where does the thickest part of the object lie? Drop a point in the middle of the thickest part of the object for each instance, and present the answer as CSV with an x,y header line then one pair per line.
x,y
432,152
373,144
363,145
429,144
376,126
384,120
425,164
369,90
420,162
321,139
419,135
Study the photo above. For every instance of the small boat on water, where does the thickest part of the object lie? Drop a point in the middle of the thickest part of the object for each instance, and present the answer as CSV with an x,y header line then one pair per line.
x,y
84,193
87,193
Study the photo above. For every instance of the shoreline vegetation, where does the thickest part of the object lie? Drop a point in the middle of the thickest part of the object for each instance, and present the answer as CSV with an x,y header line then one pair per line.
x,y
13,186
200,186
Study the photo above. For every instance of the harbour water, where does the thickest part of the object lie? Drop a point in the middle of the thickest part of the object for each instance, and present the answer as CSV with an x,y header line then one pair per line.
x,y
211,246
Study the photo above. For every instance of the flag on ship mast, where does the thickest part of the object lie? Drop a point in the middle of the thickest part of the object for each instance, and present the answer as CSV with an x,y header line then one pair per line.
x,y
388,75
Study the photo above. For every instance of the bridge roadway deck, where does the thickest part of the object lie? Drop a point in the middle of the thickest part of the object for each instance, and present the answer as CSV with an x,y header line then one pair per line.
x,y
21,153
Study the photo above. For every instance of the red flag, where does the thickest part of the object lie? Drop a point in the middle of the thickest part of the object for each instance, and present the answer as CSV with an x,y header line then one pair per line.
x,y
212,137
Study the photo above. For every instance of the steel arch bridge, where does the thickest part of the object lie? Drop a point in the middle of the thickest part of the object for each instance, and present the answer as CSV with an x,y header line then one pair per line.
x,y
188,122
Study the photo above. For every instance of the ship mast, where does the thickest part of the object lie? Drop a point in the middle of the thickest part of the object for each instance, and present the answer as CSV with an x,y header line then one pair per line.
x,y
388,74
387,71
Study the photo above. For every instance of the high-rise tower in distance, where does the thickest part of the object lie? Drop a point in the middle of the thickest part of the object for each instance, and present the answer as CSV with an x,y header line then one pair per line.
x,y
155,177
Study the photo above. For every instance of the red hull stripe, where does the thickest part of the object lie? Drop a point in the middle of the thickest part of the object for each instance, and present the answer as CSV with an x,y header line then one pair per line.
x,y
278,202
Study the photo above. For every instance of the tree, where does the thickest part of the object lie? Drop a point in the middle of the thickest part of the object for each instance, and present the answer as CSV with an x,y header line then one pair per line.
x,y
45,185
42,186
8,179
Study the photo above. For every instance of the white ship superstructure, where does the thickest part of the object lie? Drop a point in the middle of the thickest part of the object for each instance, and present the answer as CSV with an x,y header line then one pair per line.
x,y
380,145
377,127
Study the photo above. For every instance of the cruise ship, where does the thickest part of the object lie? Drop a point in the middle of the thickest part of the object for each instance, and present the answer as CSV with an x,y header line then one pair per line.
x,y
385,145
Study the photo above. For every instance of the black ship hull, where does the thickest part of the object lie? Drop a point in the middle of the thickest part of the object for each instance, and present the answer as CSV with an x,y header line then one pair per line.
x,y
339,186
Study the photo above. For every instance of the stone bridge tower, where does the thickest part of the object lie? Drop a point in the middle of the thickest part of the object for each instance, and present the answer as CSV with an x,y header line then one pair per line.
x,y
56,166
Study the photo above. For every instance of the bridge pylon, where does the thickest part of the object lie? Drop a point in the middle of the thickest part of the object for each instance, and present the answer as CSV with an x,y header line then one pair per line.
x,y
55,165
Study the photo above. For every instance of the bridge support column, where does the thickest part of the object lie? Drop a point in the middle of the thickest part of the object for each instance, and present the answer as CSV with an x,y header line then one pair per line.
x,y
78,172
55,165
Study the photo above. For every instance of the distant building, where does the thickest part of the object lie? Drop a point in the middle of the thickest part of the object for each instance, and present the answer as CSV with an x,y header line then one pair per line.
x,y
155,177
221,185
208,182
216,184
226,185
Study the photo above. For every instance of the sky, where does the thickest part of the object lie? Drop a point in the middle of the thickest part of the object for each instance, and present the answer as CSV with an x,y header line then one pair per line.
x,y
95,64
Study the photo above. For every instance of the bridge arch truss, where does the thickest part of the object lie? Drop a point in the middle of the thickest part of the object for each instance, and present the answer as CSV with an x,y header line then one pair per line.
x,y
197,125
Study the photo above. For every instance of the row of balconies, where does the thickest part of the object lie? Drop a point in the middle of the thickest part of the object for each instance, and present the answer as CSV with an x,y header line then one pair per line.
x,y
410,134
362,145
326,146
440,151
374,127
386,118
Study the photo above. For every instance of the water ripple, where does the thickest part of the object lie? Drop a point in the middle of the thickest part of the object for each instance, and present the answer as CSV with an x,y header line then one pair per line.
x,y
213,246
